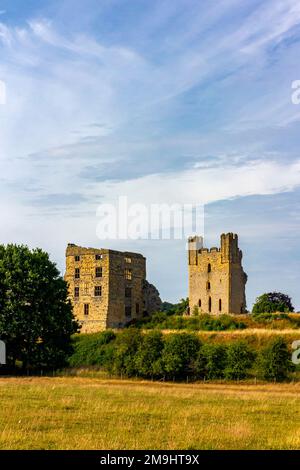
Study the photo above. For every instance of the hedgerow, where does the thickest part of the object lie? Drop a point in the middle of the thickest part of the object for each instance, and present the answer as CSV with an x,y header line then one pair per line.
x,y
179,356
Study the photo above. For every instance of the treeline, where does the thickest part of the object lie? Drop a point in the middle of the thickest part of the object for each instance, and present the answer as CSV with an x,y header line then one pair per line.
x,y
181,356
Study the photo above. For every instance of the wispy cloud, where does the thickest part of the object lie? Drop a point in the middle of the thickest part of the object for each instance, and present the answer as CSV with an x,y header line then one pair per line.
x,y
165,101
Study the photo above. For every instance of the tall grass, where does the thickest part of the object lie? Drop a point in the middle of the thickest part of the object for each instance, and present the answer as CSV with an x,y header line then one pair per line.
x,y
83,413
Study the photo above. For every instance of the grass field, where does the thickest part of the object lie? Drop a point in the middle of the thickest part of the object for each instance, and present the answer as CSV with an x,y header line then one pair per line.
x,y
95,413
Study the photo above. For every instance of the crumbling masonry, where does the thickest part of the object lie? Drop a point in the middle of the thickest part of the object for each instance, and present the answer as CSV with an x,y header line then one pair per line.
x,y
216,277
108,288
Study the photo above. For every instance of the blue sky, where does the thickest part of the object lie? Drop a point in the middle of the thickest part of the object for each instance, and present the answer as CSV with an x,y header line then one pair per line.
x,y
163,101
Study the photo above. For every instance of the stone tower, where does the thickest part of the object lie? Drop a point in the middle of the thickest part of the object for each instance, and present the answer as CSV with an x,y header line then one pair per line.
x,y
108,288
216,277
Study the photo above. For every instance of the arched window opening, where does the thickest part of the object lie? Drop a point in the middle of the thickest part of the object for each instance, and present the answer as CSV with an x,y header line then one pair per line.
x,y
209,268
220,305
209,304
199,303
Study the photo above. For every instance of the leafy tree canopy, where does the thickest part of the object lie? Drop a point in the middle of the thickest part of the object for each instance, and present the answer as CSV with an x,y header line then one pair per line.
x,y
36,318
273,302
275,360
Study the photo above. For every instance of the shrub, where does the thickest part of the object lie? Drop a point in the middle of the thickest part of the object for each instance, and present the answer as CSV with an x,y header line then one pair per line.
x,y
206,322
123,356
90,350
200,364
275,361
268,317
157,320
239,359
179,354
211,361
148,358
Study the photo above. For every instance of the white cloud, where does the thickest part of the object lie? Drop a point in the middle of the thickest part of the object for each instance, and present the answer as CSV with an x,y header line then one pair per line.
x,y
60,84
203,186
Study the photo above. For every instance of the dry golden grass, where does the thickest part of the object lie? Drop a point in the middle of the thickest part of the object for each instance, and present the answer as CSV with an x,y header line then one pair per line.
x,y
241,333
256,337
93,413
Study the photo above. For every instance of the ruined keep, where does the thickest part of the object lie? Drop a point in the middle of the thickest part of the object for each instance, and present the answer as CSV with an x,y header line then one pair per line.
x,y
216,276
108,288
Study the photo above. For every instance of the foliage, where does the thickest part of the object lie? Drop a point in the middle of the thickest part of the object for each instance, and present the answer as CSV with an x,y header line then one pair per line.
x,y
275,361
175,309
221,323
148,357
36,318
179,353
239,360
205,322
268,316
180,356
211,361
91,350
273,302
124,354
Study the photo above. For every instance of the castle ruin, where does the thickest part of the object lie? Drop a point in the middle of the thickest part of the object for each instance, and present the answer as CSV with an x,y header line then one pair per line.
x,y
216,277
108,288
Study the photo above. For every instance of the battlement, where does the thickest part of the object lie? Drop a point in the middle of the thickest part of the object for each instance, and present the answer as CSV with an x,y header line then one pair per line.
x,y
229,248
216,277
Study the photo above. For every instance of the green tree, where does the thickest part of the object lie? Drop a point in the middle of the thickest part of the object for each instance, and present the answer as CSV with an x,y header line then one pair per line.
x,y
182,306
179,354
273,302
213,361
239,360
275,361
36,318
91,349
148,358
175,309
200,364
123,360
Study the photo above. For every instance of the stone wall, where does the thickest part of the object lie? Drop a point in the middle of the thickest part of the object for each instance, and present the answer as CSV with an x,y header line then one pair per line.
x,y
122,280
216,278
152,300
